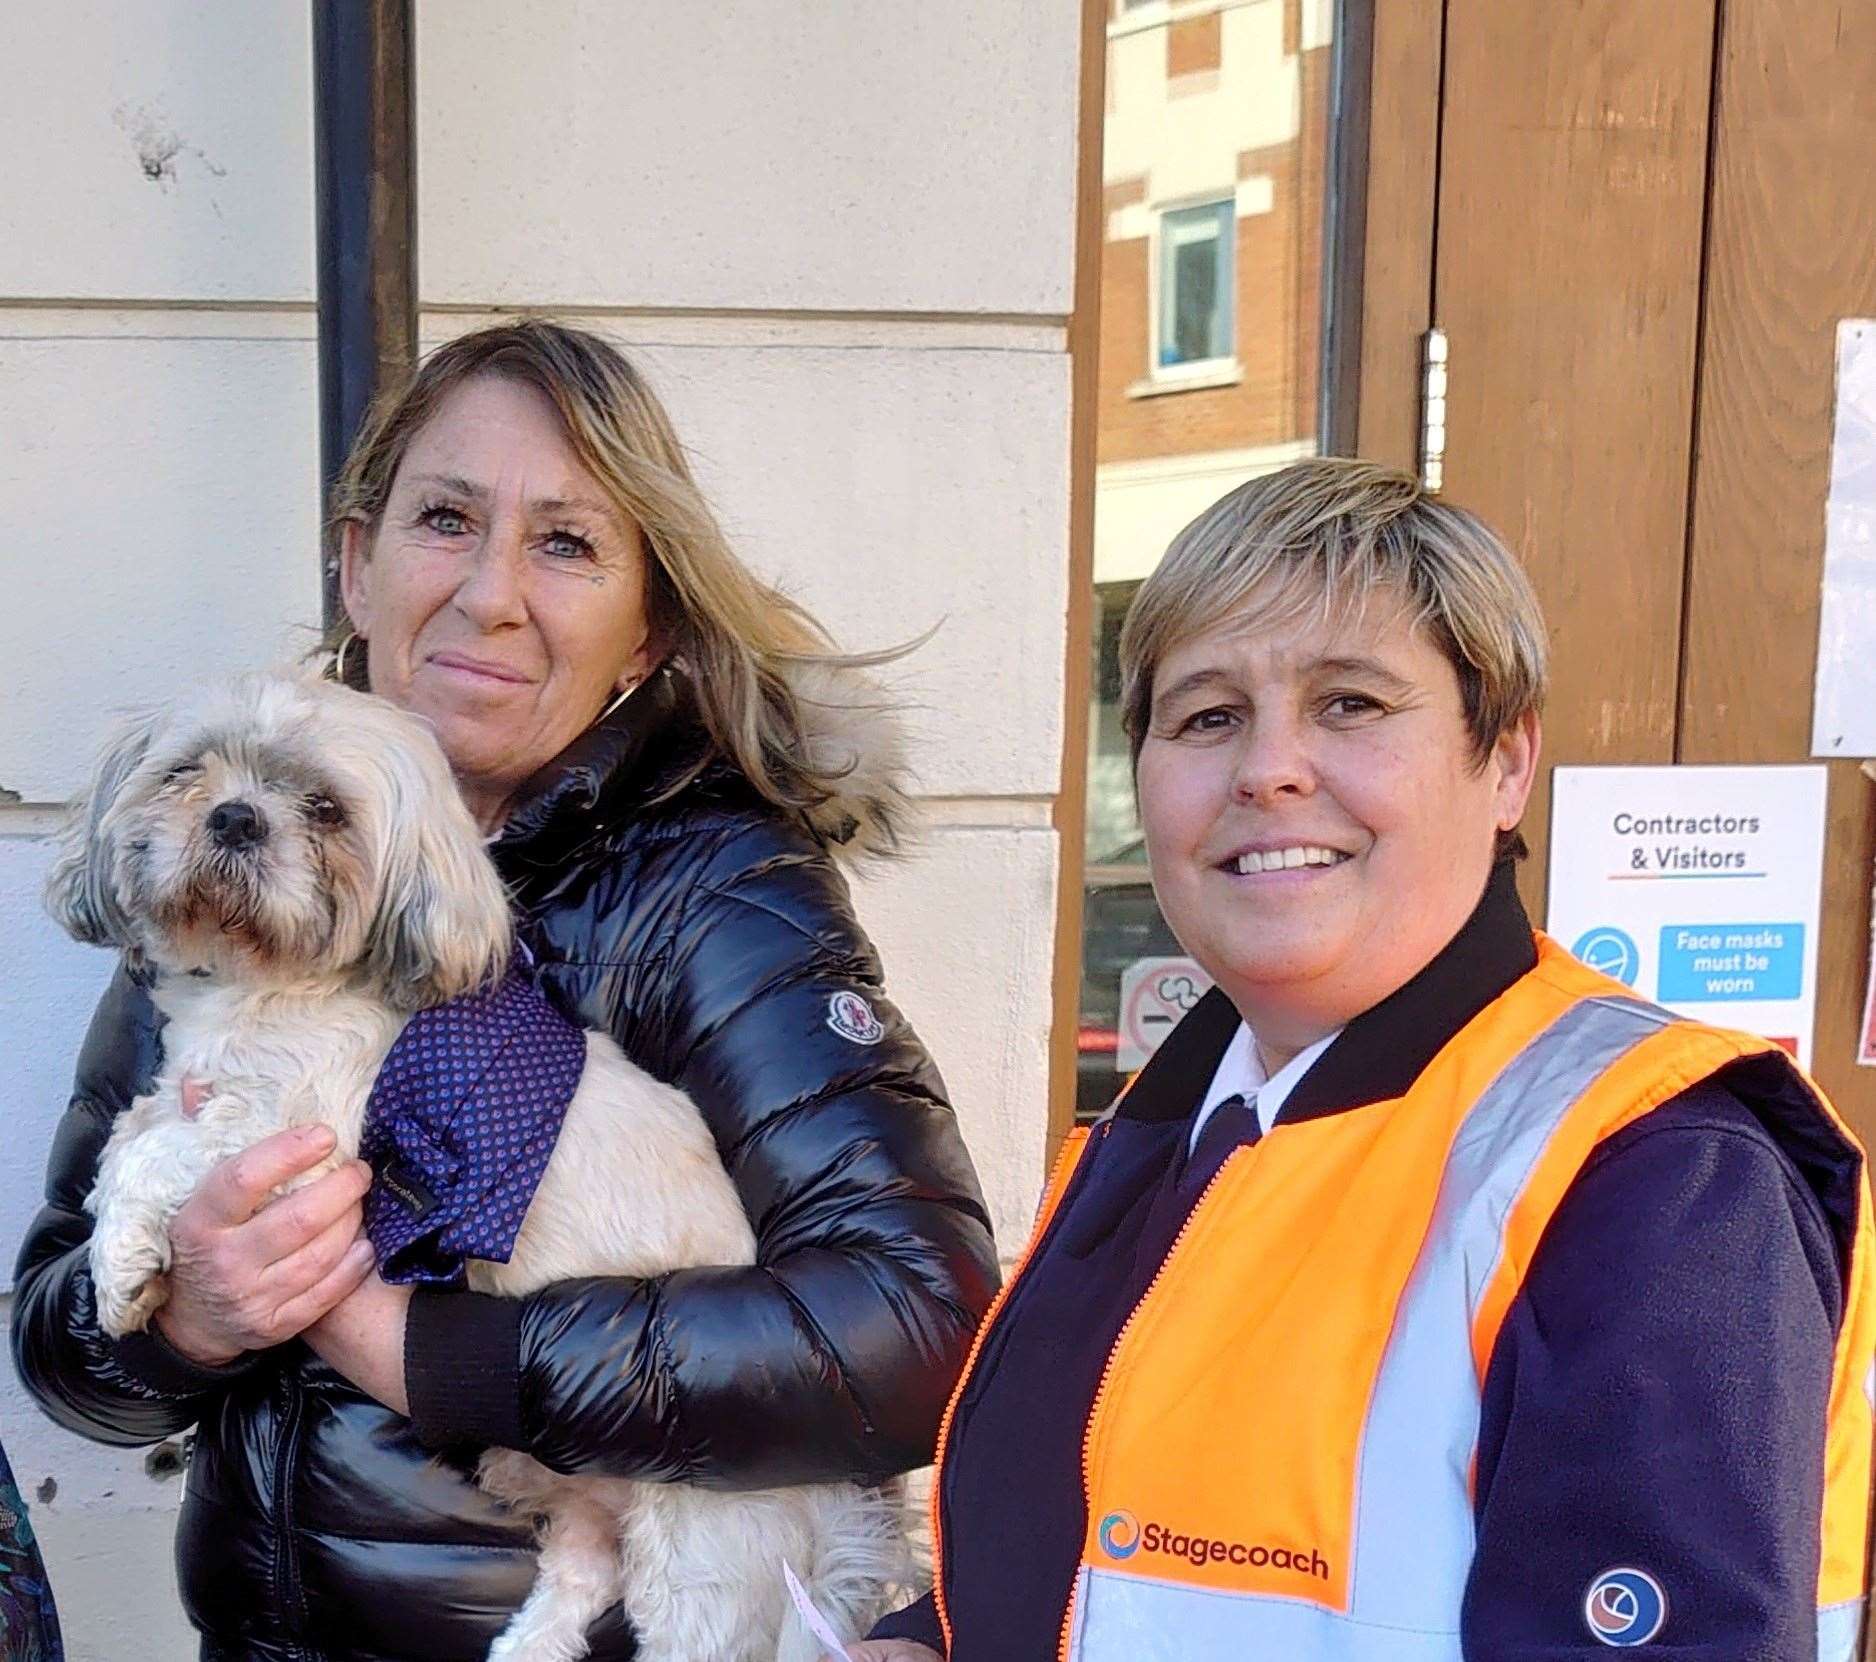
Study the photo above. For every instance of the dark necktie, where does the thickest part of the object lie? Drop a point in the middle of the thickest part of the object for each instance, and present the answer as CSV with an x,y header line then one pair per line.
x,y
1231,1125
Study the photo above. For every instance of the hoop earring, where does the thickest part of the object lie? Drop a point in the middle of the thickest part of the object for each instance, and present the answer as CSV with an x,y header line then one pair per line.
x,y
339,657
625,692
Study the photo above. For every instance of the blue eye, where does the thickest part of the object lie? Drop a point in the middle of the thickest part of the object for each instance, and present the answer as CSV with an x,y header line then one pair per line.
x,y
439,516
568,545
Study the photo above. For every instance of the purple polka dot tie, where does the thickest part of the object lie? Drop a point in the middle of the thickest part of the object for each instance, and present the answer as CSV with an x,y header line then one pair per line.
x,y
462,1119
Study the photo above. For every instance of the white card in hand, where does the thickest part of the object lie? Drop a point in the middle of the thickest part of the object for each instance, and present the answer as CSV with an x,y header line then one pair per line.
x,y
817,1623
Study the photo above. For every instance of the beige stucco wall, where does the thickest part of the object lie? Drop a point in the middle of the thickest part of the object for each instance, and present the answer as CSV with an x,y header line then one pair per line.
x,y
841,240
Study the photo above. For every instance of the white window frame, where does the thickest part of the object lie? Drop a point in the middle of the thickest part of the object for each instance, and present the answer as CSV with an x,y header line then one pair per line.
x,y
1215,371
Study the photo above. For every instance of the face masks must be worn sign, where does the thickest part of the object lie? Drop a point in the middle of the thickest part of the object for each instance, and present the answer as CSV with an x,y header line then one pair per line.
x,y
1696,886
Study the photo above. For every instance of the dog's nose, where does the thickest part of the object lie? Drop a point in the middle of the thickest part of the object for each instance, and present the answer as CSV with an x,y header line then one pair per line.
x,y
236,825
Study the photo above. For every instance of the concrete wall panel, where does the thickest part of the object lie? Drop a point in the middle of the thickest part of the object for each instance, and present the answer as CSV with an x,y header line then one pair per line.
x,y
157,151
46,1010
158,524
767,154
966,929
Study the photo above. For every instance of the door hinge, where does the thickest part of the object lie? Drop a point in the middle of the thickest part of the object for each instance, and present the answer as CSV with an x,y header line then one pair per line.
x,y
1433,409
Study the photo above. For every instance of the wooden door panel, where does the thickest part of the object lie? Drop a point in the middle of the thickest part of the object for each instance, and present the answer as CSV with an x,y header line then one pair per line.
x,y
1571,198
1792,249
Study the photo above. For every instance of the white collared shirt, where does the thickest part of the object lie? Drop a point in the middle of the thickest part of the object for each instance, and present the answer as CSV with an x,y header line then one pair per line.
x,y
1240,1072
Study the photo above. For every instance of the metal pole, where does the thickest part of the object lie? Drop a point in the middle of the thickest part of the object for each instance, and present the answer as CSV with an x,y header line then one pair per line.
x,y
365,202
1345,225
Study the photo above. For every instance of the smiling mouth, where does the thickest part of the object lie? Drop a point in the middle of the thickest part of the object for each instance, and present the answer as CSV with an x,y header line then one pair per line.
x,y
1295,858
471,666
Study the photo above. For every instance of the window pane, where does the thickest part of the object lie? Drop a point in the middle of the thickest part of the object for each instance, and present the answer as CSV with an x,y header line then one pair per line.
x,y
1195,284
1215,167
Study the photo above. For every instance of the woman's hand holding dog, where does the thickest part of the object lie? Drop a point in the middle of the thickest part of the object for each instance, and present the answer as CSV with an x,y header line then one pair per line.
x,y
249,1271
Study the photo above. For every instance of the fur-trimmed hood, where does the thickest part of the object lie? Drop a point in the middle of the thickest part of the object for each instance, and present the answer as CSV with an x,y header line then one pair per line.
x,y
855,732
851,728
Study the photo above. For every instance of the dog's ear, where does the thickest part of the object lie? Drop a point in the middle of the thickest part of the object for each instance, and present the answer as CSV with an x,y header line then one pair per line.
x,y
443,927
81,892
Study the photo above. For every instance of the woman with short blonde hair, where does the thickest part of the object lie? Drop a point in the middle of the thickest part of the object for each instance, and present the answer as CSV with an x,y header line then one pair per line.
x,y
1428,1296
1326,538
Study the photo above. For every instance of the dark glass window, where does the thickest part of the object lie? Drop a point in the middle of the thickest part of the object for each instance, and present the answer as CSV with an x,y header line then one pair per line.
x,y
1196,291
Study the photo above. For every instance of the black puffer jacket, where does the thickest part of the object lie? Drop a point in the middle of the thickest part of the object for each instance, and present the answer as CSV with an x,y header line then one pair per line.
x,y
710,935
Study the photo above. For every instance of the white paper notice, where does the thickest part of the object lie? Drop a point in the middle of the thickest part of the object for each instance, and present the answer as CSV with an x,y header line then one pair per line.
x,y
1843,715
1696,886
817,1623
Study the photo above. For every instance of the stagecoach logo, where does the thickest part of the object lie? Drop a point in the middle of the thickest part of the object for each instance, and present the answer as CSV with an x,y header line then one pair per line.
x,y
1120,1535
1625,1607
852,1018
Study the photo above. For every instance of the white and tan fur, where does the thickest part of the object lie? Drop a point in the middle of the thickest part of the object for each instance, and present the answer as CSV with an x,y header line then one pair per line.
x,y
286,969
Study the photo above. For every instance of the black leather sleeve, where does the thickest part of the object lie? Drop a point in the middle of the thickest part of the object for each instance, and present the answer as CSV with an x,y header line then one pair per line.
x,y
833,1356
129,1391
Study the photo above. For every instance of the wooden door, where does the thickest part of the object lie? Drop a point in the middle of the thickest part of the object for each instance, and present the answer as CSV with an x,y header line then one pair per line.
x,y
1791,249
1638,226
1573,161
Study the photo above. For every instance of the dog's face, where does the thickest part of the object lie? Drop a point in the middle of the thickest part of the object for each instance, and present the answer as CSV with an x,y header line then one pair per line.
x,y
284,831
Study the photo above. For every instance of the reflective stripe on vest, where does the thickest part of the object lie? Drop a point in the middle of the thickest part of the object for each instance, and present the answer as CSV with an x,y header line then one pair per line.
x,y
1358,1267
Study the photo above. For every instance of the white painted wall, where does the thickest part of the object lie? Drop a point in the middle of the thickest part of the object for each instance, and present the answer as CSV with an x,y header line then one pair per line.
x,y
158,152
753,154
839,238
158,513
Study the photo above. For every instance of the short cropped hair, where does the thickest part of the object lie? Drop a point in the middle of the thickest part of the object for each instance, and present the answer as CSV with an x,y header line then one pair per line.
x,y
1323,536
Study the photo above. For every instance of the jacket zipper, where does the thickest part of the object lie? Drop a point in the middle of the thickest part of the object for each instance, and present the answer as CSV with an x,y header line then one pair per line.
x,y
1107,1374
286,1560
991,1316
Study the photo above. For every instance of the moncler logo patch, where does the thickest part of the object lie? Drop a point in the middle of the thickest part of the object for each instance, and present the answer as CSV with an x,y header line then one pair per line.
x,y
852,1018
1625,1607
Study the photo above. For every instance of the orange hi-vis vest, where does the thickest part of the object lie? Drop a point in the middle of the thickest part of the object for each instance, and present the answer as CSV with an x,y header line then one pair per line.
x,y
1358,1267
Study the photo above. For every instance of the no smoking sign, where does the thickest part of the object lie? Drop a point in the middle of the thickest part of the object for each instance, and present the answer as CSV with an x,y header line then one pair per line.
x,y
1155,994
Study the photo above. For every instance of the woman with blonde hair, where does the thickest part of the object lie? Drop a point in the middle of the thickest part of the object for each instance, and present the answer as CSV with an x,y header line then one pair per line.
x,y
1428,1296
670,762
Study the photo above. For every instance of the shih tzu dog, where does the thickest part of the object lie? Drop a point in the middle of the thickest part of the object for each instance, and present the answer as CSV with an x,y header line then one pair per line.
x,y
293,865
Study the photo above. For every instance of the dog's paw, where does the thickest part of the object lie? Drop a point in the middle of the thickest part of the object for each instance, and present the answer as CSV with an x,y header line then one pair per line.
x,y
127,1274
540,1633
120,1313
518,1642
